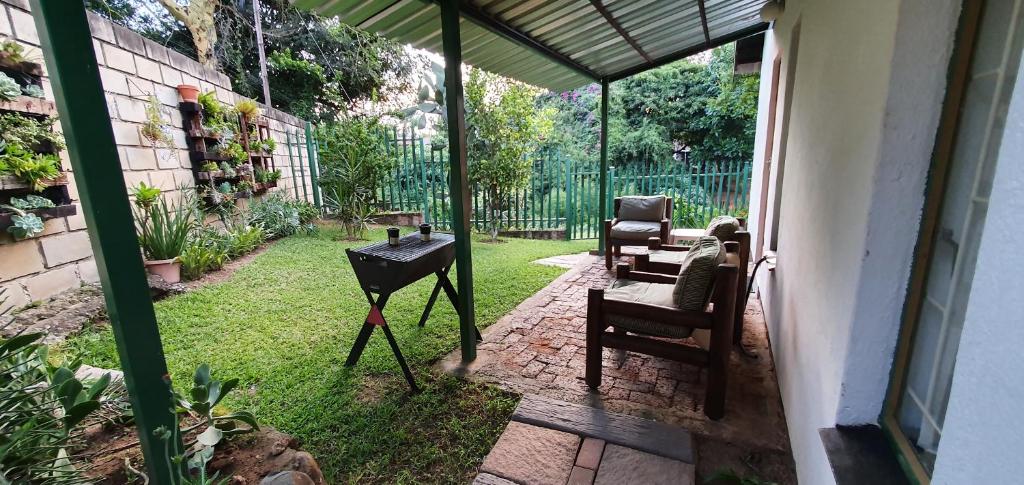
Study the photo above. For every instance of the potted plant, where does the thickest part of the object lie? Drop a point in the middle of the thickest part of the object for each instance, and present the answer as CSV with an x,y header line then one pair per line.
x,y
188,93
163,231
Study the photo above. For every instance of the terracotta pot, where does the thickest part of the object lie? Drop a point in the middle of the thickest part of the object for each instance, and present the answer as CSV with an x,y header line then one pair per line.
x,y
168,269
188,93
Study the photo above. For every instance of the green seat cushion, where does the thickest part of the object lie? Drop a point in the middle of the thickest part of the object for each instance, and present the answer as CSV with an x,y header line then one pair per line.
x,y
723,227
642,208
693,285
648,293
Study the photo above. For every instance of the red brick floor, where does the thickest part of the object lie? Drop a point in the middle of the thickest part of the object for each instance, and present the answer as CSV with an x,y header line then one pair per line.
x,y
539,348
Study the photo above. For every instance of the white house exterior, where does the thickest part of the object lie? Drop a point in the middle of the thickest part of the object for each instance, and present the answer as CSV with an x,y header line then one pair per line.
x,y
844,158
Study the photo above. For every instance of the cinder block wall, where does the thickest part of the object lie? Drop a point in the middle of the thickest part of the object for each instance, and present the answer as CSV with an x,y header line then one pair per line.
x,y
132,69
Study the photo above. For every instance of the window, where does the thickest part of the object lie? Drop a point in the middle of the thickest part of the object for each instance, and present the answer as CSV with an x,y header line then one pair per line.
x,y
983,73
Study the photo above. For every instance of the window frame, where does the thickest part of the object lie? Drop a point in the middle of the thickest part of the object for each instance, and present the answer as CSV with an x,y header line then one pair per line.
x,y
945,142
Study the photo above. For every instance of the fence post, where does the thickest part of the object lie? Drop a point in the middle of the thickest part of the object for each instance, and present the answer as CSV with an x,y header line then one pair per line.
x,y
291,162
302,171
426,182
569,211
314,165
611,197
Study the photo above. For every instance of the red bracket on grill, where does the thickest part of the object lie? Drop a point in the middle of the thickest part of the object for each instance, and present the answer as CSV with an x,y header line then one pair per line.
x,y
375,317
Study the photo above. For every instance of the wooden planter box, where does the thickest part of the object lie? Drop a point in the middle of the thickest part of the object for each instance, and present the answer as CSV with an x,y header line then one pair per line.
x,y
44,214
30,68
8,182
29,105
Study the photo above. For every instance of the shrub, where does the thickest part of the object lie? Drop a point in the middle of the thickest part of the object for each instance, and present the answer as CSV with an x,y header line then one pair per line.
x,y
354,161
199,258
279,217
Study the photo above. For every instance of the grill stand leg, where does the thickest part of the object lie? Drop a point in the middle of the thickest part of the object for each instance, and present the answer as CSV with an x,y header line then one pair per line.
x,y
453,296
367,330
441,275
401,360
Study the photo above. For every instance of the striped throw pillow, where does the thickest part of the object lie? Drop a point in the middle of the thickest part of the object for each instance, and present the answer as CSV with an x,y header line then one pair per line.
x,y
693,286
723,227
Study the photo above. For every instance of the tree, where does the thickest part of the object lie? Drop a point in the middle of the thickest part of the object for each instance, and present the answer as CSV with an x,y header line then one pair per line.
x,y
503,127
199,17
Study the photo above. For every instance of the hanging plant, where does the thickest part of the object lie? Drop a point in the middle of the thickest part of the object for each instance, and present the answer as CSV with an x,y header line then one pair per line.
x,y
155,129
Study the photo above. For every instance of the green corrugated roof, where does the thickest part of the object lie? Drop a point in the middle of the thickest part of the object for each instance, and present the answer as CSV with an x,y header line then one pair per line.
x,y
559,44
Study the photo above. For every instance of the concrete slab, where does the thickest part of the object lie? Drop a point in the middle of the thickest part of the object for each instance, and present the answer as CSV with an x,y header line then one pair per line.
x,y
531,455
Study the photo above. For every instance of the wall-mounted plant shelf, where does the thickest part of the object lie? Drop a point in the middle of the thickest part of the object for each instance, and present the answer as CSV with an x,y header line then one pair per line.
x,y
44,214
8,182
30,106
25,67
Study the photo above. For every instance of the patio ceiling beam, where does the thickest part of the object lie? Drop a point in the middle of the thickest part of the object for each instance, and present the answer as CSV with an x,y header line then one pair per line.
x,y
704,22
68,52
483,19
684,53
622,32
451,39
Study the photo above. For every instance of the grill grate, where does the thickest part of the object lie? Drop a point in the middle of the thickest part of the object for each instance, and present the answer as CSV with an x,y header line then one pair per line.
x,y
410,247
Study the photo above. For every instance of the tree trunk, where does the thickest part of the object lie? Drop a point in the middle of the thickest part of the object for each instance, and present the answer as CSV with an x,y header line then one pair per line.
x,y
199,18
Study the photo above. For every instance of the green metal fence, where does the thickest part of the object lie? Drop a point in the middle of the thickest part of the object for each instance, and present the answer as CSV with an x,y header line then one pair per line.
x,y
561,194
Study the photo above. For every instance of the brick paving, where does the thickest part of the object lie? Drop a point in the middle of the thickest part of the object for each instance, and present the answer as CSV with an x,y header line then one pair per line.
x,y
539,348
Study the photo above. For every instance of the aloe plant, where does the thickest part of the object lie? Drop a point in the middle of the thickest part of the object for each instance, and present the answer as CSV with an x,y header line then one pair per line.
x,y
163,228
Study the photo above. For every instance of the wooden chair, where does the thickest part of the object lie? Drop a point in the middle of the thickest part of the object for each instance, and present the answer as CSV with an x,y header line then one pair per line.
x,y
667,259
634,322
620,232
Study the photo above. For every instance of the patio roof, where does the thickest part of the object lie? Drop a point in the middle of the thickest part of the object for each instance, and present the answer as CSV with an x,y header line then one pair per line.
x,y
559,44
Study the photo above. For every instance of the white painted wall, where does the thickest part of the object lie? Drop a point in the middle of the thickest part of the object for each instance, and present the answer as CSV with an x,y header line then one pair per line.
x,y
983,428
869,83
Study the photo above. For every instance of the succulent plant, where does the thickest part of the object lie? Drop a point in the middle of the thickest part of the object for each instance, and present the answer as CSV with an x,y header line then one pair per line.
x,y
24,224
9,88
33,91
30,202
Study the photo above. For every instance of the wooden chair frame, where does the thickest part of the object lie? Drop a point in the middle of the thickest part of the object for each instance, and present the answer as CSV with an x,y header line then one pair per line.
x,y
643,262
719,320
615,245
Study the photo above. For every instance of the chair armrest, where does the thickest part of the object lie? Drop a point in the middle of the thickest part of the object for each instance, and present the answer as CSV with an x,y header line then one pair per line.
x,y
658,313
622,271
654,243
666,227
732,246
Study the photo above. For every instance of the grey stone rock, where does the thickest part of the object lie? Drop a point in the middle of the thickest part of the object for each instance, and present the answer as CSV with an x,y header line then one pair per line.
x,y
287,478
488,479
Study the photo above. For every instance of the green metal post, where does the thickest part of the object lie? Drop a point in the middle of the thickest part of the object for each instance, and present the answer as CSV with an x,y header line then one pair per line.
x,y
302,170
314,168
291,161
425,181
461,206
570,209
603,176
67,47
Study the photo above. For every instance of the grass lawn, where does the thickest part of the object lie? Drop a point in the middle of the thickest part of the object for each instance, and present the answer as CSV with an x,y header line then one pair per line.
x,y
284,324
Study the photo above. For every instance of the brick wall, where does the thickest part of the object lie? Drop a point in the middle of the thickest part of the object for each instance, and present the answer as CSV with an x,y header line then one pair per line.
x,y
132,68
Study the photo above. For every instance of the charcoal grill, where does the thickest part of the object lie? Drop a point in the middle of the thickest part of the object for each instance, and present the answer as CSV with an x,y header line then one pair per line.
x,y
384,269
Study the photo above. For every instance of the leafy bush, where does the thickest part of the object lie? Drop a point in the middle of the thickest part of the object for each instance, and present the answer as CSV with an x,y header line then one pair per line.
x,y
278,216
199,258
354,161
